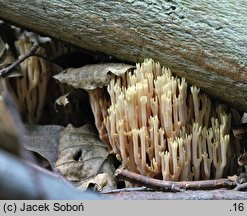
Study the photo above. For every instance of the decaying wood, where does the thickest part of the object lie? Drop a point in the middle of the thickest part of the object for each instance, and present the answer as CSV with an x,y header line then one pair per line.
x,y
171,185
20,180
202,41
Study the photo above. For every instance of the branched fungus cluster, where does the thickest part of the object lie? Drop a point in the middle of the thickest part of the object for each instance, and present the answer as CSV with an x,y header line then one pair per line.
x,y
29,88
160,127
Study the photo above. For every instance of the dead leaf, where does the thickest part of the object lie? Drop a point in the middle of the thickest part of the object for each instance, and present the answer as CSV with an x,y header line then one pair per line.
x,y
82,156
43,140
2,47
90,77
240,179
232,178
62,101
100,182
244,118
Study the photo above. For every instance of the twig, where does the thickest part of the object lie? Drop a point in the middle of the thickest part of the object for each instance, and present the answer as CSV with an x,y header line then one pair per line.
x,y
173,186
126,190
32,51
241,187
207,184
146,181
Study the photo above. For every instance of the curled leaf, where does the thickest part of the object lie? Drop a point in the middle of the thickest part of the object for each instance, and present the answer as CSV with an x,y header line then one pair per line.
x,y
240,179
244,118
43,140
100,182
92,76
82,156
62,101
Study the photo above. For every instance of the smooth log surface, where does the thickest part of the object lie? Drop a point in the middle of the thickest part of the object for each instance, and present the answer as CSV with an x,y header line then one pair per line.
x,y
203,41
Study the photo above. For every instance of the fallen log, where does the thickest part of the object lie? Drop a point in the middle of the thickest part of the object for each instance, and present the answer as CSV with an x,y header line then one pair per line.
x,y
204,42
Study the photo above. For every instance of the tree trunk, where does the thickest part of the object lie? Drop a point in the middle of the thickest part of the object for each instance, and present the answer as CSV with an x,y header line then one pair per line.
x,y
205,41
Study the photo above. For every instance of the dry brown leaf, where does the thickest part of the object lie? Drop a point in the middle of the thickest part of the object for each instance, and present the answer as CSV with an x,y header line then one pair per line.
x,y
92,76
244,118
101,182
232,178
240,179
43,140
62,101
82,156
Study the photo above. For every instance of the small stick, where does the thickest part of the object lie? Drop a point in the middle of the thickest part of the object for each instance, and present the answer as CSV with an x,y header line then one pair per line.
x,y
146,181
173,186
32,51
207,184
126,190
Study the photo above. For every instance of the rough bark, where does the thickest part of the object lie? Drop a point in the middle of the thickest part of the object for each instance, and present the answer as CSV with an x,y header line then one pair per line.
x,y
172,186
206,42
